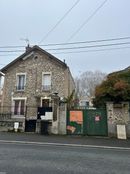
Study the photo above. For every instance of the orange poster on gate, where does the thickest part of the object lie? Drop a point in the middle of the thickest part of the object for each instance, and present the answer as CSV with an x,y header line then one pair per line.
x,y
76,116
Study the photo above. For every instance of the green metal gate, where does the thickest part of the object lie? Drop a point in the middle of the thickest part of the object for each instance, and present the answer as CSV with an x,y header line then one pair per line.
x,y
95,122
87,122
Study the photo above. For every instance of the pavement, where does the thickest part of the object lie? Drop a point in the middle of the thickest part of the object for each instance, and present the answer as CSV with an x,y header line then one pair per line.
x,y
71,140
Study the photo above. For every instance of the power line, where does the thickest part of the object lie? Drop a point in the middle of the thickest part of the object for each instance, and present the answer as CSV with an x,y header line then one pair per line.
x,y
2,64
87,20
91,46
62,18
90,41
70,43
109,49
15,46
8,55
11,51
77,47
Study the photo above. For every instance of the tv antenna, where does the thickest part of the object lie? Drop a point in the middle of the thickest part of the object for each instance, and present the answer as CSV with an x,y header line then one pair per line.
x,y
25,40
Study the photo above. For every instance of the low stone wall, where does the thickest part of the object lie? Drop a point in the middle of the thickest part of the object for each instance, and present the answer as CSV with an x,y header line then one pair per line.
x,y
7,123
118,114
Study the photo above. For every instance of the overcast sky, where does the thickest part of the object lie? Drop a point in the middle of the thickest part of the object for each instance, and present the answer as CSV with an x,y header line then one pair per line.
x,y
32,19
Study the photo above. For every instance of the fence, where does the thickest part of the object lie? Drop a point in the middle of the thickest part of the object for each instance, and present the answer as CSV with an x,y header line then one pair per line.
x,y
9,115
7,112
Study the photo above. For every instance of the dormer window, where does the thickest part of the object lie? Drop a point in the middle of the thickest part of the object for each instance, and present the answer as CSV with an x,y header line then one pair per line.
x,y
21,80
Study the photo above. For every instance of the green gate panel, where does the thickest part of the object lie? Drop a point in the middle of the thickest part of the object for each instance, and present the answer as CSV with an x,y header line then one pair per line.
x,y
95,122
74,122
87,122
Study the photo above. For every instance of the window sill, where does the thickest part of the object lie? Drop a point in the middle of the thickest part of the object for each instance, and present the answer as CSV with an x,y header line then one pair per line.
x,y
43,90
20,91
18,116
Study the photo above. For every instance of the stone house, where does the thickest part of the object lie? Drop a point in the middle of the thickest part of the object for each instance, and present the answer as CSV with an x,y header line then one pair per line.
x,y
32,82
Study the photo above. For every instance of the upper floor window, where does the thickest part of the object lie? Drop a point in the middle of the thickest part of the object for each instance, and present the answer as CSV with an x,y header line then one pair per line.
x,y
46,81
21,80
1,84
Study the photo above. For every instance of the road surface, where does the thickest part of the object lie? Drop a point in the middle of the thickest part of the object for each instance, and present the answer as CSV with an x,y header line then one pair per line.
x,y
23,158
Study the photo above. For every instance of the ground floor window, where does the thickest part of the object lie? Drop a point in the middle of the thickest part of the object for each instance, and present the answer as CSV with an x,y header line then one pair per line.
x,y
18,107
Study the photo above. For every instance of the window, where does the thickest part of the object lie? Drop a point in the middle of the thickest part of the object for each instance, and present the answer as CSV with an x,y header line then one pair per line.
x,y
19,107
46,81
20,86
1,84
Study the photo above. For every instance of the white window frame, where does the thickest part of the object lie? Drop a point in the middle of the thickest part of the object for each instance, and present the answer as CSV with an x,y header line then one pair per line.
x,y
46,73
1,84
12,108
18,74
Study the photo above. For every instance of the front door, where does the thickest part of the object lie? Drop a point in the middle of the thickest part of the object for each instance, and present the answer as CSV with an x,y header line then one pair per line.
x,y
30,125
45,103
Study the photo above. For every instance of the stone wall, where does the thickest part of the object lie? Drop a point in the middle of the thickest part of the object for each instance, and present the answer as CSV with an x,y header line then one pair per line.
x,y
7,123
118,114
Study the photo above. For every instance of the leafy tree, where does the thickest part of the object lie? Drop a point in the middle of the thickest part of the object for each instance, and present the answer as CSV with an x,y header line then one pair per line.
x,y
115,88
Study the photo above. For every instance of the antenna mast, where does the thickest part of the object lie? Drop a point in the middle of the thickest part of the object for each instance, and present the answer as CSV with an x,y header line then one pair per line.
x,y
25,40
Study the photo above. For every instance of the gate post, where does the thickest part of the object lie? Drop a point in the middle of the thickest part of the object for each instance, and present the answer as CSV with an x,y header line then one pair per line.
x,y
62,118
55,108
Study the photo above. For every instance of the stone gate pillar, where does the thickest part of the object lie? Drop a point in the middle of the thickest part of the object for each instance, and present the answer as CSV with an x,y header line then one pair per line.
x,y
55,108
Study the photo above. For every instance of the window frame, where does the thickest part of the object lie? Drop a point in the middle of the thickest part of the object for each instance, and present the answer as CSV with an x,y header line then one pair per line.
x,y
13,106
48,98
17,81
50,86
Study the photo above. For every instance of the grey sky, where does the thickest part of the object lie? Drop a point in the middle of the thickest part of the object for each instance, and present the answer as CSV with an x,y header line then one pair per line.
x,y
32,19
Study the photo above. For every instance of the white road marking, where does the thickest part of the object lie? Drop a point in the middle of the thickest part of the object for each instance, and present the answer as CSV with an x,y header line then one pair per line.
x,y
63,144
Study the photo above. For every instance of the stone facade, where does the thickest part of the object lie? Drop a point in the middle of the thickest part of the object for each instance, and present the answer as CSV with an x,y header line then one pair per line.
x,y
33,64
118,114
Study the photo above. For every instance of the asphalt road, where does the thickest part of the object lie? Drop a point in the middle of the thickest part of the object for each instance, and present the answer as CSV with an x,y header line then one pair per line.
x,y
51,159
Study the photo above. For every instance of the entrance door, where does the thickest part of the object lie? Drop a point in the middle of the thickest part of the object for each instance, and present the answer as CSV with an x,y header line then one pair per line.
x,y
45,103
30,126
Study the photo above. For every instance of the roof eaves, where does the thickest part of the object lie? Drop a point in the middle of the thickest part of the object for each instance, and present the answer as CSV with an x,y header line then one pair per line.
x,y
30,50
2,74
15,60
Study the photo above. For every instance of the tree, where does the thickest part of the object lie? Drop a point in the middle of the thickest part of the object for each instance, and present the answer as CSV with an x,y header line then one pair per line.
x,y
115,88
86,83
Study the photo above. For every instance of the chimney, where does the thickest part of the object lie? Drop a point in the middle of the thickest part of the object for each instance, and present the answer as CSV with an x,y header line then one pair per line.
x,y
28,48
